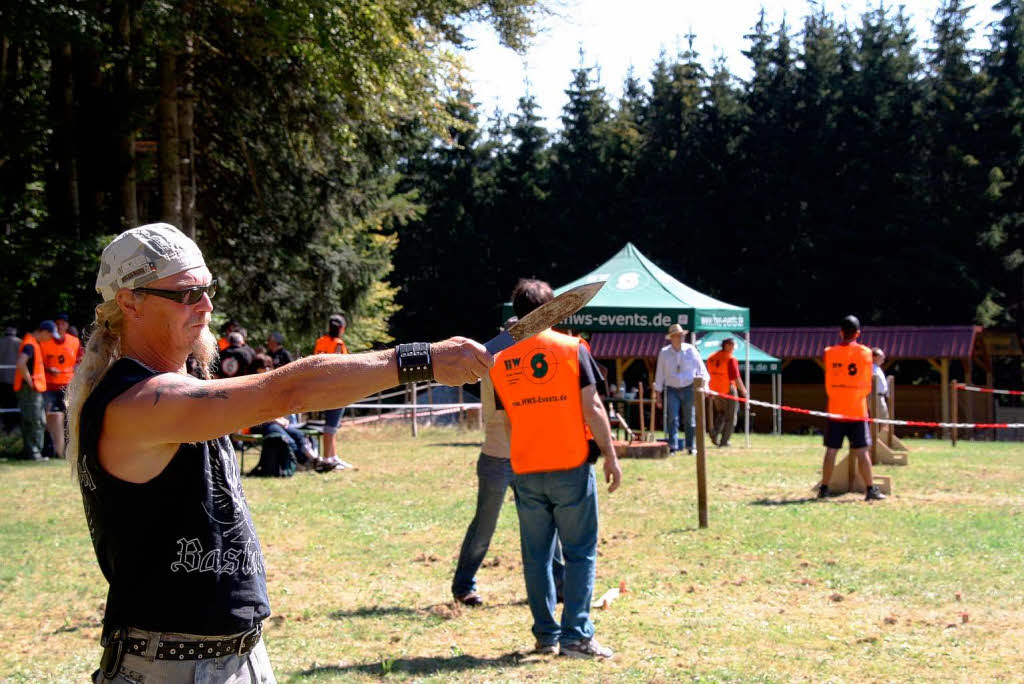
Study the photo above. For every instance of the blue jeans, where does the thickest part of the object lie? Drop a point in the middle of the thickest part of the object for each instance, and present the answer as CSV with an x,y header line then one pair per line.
x,y
292,437
332,419
560,504
677,398
494,476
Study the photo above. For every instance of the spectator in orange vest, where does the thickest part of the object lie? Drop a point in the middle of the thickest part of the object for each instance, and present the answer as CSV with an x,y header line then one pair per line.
x,y
30,384
332,343
494,477
547,386
725,379
848,384
60,353
225,330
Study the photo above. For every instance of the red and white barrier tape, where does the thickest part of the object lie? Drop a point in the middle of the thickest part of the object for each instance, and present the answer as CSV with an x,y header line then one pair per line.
x,y
989,390
880,421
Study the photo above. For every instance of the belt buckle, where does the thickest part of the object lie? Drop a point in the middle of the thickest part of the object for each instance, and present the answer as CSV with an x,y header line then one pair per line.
x,y
257,630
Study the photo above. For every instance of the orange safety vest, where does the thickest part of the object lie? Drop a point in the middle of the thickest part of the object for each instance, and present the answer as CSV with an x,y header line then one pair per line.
x,y
38,374
223,343
718,367
538,381
848,379
327,344
62,355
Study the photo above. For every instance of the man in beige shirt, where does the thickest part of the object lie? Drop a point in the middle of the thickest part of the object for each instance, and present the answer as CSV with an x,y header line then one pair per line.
x,y
494,475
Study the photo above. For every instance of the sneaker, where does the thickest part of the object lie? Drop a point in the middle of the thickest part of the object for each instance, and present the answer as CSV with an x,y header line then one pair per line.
x,y
822,491
326,465
346,465
873,494
545,649
587,648
470,598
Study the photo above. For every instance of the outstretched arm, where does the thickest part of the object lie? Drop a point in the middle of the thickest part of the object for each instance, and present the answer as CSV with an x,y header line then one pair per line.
x,y
161,412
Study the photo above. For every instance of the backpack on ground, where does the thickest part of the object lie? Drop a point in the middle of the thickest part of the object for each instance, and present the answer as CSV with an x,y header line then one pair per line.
x,y
276,458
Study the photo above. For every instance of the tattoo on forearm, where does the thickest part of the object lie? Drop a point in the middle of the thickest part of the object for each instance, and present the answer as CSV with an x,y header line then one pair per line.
x,y
191,393
200,393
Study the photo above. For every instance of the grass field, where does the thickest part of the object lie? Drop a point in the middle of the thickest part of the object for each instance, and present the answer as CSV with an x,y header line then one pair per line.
x,y
927,586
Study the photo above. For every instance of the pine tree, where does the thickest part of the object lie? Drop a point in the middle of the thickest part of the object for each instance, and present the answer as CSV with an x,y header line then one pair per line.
x,y
1003,159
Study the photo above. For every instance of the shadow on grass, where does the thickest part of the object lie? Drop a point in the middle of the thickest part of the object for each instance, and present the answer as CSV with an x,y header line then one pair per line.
x,y
374,612
444,611
838,499
783,502
418,665
455,444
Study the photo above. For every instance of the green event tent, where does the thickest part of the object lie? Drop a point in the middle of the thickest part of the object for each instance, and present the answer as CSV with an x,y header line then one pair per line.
x,y
760,361
640,297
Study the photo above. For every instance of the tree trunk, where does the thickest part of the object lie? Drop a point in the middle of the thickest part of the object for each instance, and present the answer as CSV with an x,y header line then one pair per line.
x,y
5,46
62,181
170,157
186,119
125,19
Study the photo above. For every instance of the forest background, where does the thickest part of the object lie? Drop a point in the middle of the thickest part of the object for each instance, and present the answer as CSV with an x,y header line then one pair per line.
x,y
329,156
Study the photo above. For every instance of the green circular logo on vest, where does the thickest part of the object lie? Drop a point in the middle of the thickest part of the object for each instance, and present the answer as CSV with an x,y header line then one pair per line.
x,y
542,365
539,365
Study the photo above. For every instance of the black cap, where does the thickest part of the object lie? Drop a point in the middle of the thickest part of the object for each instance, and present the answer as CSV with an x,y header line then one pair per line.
x,y
61,317
850,324
48,326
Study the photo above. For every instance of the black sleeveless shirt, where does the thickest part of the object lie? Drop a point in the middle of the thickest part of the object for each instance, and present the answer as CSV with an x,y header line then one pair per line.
x,y
179,551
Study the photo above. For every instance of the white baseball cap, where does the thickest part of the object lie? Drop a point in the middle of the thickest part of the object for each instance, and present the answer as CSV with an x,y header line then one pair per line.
x,y
144,254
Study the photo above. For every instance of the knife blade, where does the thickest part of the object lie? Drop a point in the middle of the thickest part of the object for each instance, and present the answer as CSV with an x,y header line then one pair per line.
x,y
545,316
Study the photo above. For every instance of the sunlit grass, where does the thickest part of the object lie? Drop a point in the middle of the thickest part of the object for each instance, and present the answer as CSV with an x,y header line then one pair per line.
x,y
924,586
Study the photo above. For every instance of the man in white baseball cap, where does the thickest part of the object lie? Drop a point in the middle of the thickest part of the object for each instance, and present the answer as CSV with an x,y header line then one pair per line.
x,y
163,499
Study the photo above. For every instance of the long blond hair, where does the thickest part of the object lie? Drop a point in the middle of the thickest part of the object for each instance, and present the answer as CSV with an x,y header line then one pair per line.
x,y
102,349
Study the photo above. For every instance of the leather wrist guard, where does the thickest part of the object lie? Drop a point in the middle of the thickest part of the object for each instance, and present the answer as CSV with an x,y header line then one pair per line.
x,y
414,363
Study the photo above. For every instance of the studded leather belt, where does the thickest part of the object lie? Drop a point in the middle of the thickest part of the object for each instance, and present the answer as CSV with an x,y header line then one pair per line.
x,y
198,650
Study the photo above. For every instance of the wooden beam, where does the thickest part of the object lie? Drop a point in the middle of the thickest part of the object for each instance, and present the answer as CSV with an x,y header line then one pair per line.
x,y
943,386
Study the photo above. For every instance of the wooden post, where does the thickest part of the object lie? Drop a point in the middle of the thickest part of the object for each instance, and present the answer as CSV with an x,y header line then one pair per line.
x,y
654,400
415,427
462,409
956,411
892,406
702,487
943,383
643,426
875,406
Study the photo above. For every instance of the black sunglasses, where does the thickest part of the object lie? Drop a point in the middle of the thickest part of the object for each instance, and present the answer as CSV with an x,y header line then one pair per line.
x,y
189,296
